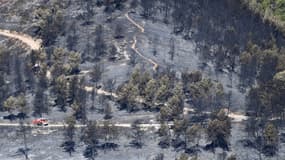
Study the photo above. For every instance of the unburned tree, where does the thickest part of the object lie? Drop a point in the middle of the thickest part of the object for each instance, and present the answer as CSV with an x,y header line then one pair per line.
x,y
10,104
164,133
73,63
183,156
193,134
61,92
127,97
50,24
271,139
219,131
150,91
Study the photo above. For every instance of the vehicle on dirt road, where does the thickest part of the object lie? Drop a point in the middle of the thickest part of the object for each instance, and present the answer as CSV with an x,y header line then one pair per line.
x,y
40,122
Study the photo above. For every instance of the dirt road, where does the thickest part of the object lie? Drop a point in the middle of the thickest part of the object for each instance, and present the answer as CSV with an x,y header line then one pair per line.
x,y
54,125
34,44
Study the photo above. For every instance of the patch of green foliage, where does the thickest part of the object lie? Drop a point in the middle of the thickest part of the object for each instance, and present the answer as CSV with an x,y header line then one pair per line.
x,y
270,10
276,6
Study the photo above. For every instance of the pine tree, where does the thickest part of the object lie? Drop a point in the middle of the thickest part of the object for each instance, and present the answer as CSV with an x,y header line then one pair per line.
x,y
150,91
100,46
219,130
107,111
138,134
96,74
183,156
172,48
24,131
72,38
271,138
109,133
90,138
69,144
119,31
193,134
61,92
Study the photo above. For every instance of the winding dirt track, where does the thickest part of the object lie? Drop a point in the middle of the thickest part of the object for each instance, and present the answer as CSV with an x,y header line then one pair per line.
x,y
34,44
155,65
134,23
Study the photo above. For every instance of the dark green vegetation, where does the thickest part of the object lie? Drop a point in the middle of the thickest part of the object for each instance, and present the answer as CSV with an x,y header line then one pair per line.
x,y
270,10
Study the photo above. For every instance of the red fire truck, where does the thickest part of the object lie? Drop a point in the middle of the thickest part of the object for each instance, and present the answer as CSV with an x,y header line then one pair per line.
x,y
40,122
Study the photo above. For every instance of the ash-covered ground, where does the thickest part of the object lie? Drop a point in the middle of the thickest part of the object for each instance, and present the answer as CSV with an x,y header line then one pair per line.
x,y
44,143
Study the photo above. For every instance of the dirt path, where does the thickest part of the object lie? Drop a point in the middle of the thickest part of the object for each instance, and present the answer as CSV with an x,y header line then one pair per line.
x,y
134,23
101,124
155,65
101,91
235,117
34,44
